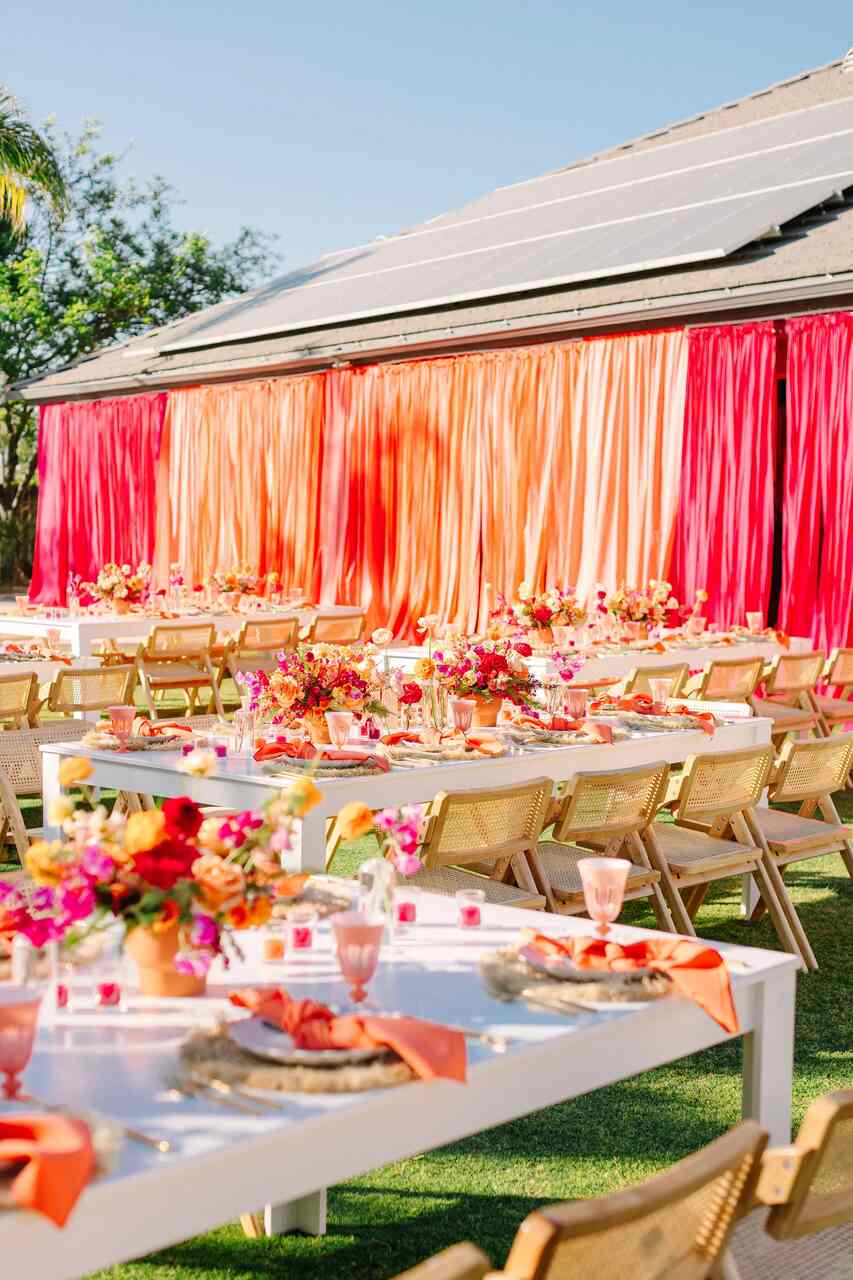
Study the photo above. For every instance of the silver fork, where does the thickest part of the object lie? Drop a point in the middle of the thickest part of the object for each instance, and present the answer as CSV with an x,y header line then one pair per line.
x,y
182,1088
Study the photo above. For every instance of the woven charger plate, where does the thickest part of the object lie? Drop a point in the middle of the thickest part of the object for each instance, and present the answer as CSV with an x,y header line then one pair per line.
x,y
296,770
212,1056
508,977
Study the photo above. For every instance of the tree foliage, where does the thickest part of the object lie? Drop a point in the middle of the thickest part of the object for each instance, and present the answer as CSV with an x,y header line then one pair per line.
x,y
27,163
113,266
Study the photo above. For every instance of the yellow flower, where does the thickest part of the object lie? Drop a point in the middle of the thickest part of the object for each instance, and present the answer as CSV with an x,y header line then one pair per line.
x,y
198,764
382,636
208,836
60,809
303,796
74,769
355,820
220,881
144,830
39,862
424,668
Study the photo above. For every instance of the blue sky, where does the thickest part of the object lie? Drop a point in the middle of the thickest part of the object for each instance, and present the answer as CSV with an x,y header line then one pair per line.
x,y
333,123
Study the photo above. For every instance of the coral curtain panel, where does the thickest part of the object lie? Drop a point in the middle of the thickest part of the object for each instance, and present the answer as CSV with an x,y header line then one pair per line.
x,y
724,528
97,468
239,480
817,558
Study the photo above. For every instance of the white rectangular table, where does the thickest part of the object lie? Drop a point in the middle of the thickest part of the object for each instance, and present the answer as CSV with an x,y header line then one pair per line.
x,y
79,632
225,1163
240,783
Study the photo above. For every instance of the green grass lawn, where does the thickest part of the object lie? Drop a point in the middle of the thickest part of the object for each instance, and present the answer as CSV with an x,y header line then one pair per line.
x,y
481,1188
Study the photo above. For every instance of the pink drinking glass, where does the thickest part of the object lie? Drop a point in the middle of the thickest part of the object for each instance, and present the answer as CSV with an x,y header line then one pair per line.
x,y
19,1010
358,937
461,713
340,725
121,721
469,907
659,688
755,622
563,637
603,881
574,703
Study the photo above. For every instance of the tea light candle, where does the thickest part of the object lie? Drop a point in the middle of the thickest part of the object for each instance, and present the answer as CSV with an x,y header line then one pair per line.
x,y
60,995
300,928
273,948
407,912
107,994
469,903
221,750
302,936
187,747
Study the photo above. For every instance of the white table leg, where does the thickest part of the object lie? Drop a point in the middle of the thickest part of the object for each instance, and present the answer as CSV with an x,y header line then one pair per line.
x,y
307,1214
768,1058
309,845
51,790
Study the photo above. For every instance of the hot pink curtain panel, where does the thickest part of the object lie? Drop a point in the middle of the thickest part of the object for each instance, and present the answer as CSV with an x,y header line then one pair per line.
x,y
817,569
97,471
724,529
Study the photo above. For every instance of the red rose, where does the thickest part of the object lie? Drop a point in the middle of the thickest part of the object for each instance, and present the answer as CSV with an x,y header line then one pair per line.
x,y
542,614
165,864
183,816
410,694
523,648
492,664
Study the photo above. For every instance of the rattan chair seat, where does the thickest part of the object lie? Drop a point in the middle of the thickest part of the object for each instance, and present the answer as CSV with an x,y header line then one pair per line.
x,y
692,852
560,863
791,717
826,1255
163,673
786,832
446,880
837,710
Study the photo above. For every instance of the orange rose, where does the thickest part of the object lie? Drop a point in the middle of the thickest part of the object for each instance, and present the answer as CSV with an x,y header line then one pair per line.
x,y
303,795
167,917
40,862
355,820
219,881
144,830
73,770
260,911
238,916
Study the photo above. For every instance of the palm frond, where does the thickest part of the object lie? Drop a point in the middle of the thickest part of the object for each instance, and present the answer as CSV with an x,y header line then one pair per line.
x,y
26,160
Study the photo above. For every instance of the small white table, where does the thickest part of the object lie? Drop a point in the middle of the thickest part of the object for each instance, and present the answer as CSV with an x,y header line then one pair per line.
x,y
225,1163
79,632
240,783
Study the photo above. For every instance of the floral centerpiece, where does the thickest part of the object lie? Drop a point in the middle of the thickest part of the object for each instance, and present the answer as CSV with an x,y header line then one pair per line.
x,y
312,679
651,605
120,584
399,831
181,884
487,673
241,579
542,610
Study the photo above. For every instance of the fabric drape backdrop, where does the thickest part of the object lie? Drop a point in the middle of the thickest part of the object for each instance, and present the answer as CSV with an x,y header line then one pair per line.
x,y
558,464
724,529
817,556
238,480
96,465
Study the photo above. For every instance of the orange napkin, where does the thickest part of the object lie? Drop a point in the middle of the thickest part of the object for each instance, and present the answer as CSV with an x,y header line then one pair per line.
x,y
704,719
432,1051
307,751
697,972
603,682
59,1162
402,735
142,727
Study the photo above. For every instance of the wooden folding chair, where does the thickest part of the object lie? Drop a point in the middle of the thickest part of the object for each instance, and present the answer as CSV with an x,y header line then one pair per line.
x,y
805,1229
20,775
711,839
256,647
789,691
603,813
726,680
177,658
675,1226
75,690
495,831
328,628
19,700
132,801
838,674
637,680
459,1262
807,773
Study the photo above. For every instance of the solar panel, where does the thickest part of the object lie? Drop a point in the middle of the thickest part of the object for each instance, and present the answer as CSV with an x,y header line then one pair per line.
x,y
678,203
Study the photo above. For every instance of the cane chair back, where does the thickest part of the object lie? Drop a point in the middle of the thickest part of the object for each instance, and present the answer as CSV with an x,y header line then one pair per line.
x,y
839,671
808,770
638,679
793,673
19,700
21,773
612,803
265,635
677,1224
178,658
326,628
132,801
730,680
497,829
459,1262
79,689
723,783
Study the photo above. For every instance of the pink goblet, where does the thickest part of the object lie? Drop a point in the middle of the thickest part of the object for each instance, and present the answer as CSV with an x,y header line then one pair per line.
x,y
603,881
340,725
19,1010
358,937
461,713
574,703
121,721
563,637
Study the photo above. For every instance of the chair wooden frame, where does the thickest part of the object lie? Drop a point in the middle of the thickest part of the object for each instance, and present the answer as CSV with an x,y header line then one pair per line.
x,y
331,628
712,838
21,775
91,689
459,1262
715,682
637,679
838,711
789,695
493,858
256,647
604,813
19,700
185,666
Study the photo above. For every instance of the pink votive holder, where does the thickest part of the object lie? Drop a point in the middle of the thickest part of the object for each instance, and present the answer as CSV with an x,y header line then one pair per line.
x,y
300,928
469,904
187,748
107,995
461,713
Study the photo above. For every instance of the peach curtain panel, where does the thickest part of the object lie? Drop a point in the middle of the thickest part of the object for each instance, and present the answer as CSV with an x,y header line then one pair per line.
x,y
238,479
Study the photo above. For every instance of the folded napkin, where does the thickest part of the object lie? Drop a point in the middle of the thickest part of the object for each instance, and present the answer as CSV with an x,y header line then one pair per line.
x,y
432,1051
308,751
142,727
696,971
603,682
704,719
58,1162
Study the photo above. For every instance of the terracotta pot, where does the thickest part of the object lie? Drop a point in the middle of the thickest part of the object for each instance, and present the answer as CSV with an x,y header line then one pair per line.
x,y
485,712
154,954
121,606
540,637
638,630
318,730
